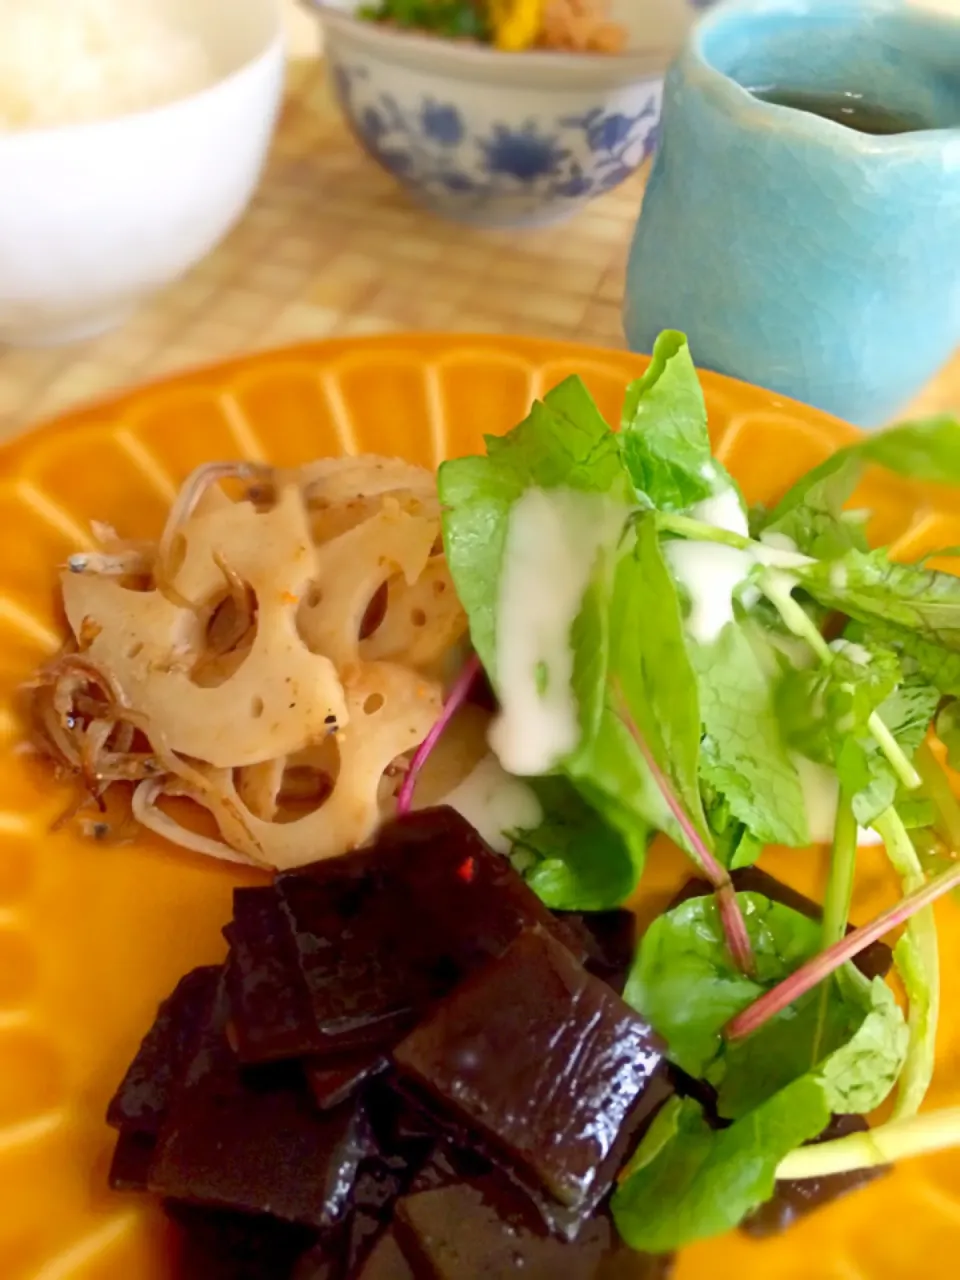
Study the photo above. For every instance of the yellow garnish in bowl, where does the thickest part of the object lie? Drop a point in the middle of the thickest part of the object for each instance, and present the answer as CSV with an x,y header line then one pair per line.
x,y
517,24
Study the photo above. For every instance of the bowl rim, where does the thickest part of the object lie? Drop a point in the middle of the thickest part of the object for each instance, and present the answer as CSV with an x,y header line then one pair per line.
x,y
50,133
486,62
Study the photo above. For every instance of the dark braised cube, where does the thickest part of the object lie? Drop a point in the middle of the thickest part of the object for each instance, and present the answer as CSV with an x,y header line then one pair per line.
x,y
323,1262
387,1262
218,1245
132,1157
609,940
873,962
140,1105
548,1065
487,1230
255,1141
796,1198
141,1102
449,1164
269,1007
334,1080
351,950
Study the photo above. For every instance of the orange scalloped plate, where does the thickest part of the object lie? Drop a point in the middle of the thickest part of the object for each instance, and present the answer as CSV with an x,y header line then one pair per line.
x,y
93,936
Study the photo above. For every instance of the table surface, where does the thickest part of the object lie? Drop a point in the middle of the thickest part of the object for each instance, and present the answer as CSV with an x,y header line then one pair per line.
x,y
331,247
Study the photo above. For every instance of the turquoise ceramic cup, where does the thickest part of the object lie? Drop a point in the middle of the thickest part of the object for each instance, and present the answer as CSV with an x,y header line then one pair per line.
x,y
795,252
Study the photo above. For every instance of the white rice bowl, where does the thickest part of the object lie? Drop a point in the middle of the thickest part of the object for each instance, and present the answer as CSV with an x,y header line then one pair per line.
x,y
72,61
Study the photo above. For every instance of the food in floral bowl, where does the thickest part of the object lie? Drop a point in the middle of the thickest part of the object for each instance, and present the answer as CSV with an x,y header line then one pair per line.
x,y
524,113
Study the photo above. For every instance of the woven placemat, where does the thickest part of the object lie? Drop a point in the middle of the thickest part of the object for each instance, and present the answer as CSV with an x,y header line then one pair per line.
x,y
331,246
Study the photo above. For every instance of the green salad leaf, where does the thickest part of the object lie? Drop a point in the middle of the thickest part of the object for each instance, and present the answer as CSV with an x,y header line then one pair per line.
x,y
848,1032
575,861
744,758
812,513
826,715
702,741
686,985
927,450
824,710
907,713
702,1182
650,667
563,443
664,431
870,587
932,662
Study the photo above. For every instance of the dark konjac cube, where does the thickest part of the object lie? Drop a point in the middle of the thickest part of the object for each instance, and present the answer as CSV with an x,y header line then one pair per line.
x,y
546,1064
457,886
609,940
449,1164
345,954
487,1230
217,1245
270,1011
141,1102
795,1199
874,961
325,1261
132,1158
387,1262
255,1141
334,1080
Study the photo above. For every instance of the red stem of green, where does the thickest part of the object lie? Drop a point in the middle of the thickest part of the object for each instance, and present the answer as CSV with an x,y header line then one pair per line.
x,y
827,962
731,917
452,704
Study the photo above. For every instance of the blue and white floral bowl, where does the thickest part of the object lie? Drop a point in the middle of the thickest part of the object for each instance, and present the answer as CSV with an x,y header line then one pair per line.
x,y
502,140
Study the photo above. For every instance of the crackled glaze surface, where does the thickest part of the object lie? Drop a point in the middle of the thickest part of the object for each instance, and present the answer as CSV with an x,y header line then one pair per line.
x,y
91,936
793,251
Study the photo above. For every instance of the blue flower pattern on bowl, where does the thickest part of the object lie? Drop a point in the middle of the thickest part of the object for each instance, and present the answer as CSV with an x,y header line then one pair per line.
x,y
521,171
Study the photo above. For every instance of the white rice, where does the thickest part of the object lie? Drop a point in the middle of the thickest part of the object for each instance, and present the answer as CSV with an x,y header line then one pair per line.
x,y
66,61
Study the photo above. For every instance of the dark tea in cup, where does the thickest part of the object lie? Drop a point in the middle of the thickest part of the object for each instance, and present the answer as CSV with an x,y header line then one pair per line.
x,y
854,110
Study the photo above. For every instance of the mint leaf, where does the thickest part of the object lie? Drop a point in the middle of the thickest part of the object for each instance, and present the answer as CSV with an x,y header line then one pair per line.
x,y
664,431
575,861
811,513
825,711
870,587
812,516
564,442
907,713
927,450
686,985
744,758
936,665
703,1182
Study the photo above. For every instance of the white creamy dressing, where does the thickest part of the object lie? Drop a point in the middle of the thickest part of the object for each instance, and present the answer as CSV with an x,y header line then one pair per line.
x,y
821,796
710,572
857,654
495,804
553,539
